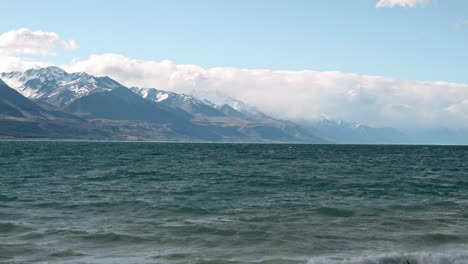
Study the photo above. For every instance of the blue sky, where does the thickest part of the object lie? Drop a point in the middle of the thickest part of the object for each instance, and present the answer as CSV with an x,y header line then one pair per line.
x,y
421,43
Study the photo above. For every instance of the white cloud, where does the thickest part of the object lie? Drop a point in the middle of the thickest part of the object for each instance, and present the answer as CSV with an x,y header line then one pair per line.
x,y
461,23
24,41
12,63
373,100
402,3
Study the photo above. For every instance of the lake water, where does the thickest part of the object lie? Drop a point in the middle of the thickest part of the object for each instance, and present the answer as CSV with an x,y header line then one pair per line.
x,y
104,202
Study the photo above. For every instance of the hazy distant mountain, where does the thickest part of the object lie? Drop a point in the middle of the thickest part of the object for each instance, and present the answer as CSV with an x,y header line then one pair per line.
x,y
439,135
55,86
354,133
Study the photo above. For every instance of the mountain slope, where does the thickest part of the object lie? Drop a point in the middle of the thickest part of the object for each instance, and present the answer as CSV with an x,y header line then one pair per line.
x,y
13,104
22,118
122,104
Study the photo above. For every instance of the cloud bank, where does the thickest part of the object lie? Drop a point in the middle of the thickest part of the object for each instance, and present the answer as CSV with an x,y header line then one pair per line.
x,y
27,42
402,3
299,95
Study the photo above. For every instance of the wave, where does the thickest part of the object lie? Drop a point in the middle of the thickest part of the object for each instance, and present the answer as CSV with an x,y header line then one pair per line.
x,y
335,212
111,237
89,205
425,257
398,258
66,253
5,198
89,237
439,238
7,228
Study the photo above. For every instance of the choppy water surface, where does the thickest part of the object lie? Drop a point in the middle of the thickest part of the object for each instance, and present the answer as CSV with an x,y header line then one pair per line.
x,y
95,202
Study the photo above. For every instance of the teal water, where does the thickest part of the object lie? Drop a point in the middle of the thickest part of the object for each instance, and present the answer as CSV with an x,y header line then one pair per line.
x,y
97,202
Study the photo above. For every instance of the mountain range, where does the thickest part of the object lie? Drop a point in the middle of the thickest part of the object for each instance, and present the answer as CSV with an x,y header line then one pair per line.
x,y
51,103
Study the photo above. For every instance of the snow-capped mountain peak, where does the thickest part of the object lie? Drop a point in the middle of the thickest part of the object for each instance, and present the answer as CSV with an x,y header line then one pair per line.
x,y
51,72
55,86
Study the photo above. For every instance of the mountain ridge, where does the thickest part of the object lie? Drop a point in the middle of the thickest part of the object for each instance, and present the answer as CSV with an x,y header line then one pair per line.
x,y
102,104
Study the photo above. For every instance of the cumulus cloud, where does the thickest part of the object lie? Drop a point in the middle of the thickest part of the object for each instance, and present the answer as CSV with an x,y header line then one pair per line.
x,y
298,95
402,3
25,41
12,63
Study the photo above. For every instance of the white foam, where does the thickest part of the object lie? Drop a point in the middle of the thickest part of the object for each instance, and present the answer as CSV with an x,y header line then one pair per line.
x,y
450,257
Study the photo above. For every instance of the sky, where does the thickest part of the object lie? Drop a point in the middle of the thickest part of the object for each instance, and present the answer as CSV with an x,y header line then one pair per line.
x,y
380,62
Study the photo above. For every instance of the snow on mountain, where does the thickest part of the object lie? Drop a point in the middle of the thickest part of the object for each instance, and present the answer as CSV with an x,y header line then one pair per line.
x,y
188,103
157,95
55,86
